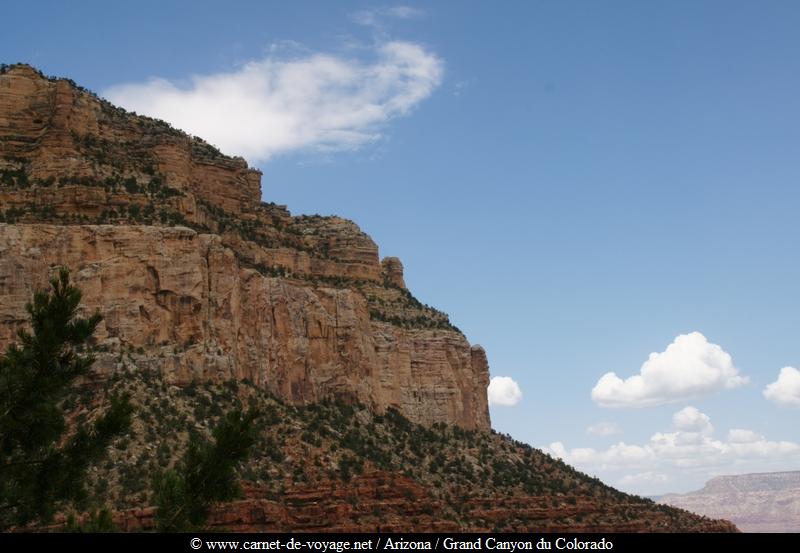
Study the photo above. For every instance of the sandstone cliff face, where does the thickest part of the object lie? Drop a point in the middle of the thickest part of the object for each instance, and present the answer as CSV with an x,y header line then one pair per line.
x,y
62,131
762,502
393,271
196,278
179,302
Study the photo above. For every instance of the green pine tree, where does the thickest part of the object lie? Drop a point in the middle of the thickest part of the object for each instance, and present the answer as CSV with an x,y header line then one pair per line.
x,y
43,461
205,475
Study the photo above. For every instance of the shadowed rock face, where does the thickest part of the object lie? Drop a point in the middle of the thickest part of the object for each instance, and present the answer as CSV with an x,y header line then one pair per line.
x,y
761,502
199,279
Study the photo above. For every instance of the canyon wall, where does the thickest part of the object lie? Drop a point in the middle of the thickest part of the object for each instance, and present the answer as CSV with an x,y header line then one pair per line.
x,y
197,278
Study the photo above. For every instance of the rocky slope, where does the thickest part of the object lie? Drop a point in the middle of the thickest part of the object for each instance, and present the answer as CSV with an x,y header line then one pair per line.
x,y
169,240
334,466
761,502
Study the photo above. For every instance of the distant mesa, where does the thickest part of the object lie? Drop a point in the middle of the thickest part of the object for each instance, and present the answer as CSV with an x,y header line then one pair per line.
x,y
758,502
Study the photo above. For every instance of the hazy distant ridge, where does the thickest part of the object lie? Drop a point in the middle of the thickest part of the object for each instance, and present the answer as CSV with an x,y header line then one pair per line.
x,y
760,502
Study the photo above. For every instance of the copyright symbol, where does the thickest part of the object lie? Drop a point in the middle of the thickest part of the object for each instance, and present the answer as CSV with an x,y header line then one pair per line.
x,y
196,543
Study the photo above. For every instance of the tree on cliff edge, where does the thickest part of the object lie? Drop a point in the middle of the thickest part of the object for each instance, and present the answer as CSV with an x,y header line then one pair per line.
x,y
43,460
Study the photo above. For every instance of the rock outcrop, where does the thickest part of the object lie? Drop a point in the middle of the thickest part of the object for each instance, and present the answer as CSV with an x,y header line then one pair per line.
x,y
760,502
405,506
393,271
199,279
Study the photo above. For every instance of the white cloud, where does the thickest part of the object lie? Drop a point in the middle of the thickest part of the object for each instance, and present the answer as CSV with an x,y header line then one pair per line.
x,y
373,17
504,391
642,479
276,105
557,449
786,390
688,368
690,449
623,454
616,456
604,429
741,436
690,419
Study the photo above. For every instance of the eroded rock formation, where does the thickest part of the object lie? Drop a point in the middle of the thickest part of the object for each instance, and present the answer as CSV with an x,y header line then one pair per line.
x,y
197,278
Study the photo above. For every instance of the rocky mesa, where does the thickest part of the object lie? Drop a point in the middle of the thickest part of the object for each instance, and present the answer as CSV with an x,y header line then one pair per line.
x,y
760,502
197,278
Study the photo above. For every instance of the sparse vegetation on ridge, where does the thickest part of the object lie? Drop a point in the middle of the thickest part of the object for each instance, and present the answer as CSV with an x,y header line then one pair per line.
x,y
338,441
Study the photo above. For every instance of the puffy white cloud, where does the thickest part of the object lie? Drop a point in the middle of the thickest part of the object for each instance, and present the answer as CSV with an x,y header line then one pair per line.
x,y
618,455
623,454
504,391
689,448
557,449
690,419
642,479
689,367
271,106
765,449
786,390
741,436
604,429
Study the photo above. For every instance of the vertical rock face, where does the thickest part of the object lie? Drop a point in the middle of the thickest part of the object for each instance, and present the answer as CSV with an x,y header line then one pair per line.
x,y
392,270
198,279
61,131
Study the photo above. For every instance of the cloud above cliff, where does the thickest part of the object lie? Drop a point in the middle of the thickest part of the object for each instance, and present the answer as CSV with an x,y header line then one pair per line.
x,y
374,17
639,479
691,421
786,390
689,447
504,391
690,367
280,104
603,429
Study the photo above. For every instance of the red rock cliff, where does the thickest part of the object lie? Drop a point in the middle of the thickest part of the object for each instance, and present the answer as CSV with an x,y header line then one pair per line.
x,y
199,279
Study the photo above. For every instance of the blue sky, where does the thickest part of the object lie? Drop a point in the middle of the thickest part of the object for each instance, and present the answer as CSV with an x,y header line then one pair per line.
x,y
576,183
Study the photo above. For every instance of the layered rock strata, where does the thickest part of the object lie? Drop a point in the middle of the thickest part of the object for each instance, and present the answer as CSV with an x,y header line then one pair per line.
x,y
197,278
759,502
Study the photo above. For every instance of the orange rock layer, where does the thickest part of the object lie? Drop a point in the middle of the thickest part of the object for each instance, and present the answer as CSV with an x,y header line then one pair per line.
x,y
386,502
197,278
